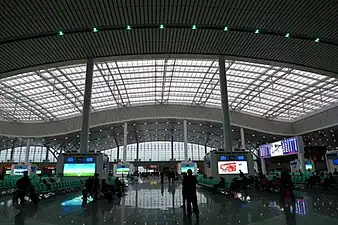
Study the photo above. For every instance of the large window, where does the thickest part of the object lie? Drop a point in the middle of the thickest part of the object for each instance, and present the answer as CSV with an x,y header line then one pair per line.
x,y
36,154
158,151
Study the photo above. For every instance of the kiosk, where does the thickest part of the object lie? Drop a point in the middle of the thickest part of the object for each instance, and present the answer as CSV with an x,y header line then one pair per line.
x,y
288,146
228,164
184,166
122,169
331,160
82,165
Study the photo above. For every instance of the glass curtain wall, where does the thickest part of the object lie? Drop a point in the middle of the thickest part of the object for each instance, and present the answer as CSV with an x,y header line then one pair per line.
x,y
36,154
159,151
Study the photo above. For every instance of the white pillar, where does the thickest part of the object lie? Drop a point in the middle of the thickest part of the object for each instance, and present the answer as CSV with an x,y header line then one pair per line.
x,y
227,142
301,160
185,133
263,166
242,138
28,146
125,141
86,107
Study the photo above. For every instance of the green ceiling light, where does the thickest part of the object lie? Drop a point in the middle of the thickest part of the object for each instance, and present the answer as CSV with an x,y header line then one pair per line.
x,y
161,26
128,27
287,35
226,28
95,30
317,40
257,31
194,27
61,33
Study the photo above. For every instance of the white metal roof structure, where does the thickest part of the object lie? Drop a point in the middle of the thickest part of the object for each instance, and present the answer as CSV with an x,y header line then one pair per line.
x,y
267,91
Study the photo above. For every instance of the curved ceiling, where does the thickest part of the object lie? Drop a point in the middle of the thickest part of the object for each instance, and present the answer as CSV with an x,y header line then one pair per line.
x,y
266,91
291,31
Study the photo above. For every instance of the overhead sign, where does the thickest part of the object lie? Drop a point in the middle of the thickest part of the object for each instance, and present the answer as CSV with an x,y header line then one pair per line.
x,y
287,146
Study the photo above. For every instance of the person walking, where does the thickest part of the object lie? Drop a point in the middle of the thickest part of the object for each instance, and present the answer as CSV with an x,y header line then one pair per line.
x,y
189,187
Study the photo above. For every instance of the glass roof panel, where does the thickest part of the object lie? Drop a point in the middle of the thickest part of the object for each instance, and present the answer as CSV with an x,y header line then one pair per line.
x,y
268,91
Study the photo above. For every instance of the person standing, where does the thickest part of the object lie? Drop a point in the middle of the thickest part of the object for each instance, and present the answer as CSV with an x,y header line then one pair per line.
x,y
189,186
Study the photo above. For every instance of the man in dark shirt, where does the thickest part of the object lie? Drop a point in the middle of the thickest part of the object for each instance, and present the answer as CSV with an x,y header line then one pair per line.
x,y
189,187
23,184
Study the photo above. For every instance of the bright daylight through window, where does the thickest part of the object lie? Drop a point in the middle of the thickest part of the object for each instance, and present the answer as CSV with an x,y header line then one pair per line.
x,y
263,90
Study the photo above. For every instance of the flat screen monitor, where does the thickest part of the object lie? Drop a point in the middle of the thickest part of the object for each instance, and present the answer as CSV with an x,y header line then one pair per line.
x,y
38,172
90,159
8,172
122,169
18,170
335,162
186,167
240,157
79,169
80,159
70,159
232,167
308,166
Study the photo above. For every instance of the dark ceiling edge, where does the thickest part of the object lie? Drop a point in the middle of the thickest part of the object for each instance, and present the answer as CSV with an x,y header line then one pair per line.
x,y
220,28
169,55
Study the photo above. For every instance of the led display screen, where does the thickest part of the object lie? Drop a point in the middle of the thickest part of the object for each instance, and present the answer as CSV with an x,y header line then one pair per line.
x,y
8,172
232,167
89,159
38,172
186,167
18,170
279,148
80,159
335,162
122,168
79,169
70,159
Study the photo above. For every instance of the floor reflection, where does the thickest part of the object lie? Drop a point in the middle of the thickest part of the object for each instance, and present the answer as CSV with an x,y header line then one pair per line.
x,y
152,203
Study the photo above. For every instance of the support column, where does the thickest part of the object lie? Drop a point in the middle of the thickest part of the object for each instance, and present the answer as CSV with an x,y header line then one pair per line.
x,y
125,141
242,138
86,107
47,153
117,153
172,147
205,148
28,146
185,131
12,150
225,105
301,160
263,167
137,153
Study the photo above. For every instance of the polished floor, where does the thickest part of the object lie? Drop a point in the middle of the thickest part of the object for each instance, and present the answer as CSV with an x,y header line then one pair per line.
x,y
150,203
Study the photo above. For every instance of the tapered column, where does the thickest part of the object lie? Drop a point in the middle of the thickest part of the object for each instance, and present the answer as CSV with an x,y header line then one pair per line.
x,y
172,147
86,107
263,167
125,141
242,138
28,146
225,105
185,131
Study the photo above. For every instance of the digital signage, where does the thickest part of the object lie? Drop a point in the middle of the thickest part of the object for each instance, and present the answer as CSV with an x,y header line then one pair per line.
x,y
287,146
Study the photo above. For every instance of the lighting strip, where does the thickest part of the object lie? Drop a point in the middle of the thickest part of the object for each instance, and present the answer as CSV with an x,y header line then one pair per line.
x,y
195,27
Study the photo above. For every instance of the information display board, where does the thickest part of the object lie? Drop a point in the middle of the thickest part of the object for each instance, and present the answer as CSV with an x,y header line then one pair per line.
x,y
18,170
122,168
287,146
186,167
79,169
232,164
